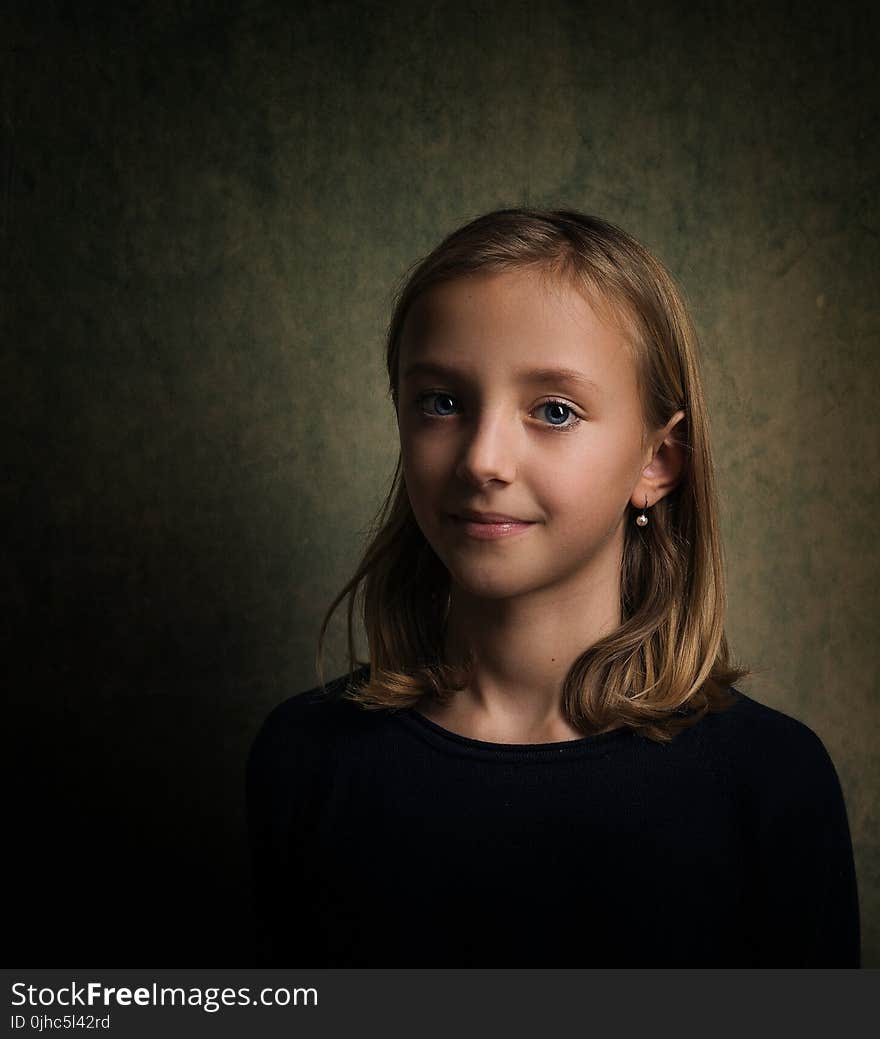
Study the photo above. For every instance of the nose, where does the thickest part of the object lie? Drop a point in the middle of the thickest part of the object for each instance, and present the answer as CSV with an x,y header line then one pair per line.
x,y
488,451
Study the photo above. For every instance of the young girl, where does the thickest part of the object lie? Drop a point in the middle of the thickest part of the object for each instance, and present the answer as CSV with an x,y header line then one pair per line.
x,y
545,762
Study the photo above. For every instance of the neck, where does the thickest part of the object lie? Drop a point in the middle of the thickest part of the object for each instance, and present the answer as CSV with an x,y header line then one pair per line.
x,y
523,646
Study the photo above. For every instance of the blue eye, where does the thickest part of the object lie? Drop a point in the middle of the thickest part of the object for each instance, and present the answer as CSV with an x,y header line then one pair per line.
x,y
557,406
438,396
559,415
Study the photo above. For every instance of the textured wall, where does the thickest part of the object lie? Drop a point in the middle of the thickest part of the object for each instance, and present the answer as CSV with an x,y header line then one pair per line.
x,y
206,209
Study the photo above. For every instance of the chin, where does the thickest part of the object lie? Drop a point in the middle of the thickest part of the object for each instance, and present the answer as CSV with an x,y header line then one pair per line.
x,y
488,585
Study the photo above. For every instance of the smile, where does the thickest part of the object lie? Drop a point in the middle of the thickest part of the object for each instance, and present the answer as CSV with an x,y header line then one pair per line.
x,y
489,531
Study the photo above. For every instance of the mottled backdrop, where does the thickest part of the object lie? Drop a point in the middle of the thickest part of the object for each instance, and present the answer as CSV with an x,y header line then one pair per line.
x,y
206,210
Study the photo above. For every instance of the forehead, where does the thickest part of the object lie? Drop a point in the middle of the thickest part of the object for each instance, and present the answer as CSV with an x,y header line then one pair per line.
x,y
492,322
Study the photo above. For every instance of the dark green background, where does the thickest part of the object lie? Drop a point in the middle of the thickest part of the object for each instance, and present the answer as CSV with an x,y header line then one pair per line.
x,y
206,210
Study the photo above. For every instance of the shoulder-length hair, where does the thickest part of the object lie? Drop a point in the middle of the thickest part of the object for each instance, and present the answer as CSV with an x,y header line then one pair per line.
x,y
668,662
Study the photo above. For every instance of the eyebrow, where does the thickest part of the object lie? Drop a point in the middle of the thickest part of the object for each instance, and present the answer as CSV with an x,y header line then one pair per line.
x,y
546,376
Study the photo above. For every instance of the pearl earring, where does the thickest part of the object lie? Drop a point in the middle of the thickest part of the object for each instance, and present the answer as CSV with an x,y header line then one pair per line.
x,y
642,520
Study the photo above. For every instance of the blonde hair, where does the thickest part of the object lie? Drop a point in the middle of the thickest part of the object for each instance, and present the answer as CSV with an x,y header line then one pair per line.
x,y
668,662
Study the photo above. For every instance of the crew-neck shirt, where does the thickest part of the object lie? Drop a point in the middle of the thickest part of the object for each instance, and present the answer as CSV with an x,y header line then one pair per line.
x,y
380,838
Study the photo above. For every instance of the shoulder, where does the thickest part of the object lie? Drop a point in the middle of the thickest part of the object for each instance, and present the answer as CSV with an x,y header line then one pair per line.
x,y
315,708
776,756
305,724
758,728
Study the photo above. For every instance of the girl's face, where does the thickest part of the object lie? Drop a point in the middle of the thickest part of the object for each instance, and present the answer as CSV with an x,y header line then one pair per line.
x,y
485,426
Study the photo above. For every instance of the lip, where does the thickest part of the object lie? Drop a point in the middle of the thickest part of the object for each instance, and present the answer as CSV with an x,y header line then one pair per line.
x,y
487,517
490,525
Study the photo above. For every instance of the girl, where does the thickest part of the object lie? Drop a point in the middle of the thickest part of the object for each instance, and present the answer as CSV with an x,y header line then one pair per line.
x,y
545,762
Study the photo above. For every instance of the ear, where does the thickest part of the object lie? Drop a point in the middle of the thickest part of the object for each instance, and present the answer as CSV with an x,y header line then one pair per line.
x,y
666,459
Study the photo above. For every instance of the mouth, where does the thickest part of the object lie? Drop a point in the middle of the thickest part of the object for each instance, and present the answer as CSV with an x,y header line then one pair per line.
x,y
488,517
487,526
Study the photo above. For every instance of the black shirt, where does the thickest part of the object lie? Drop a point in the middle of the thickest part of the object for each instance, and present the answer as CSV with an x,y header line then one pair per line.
x,y
381,839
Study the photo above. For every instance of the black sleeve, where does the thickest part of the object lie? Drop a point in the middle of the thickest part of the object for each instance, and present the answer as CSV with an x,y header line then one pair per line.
x,y
808,912
279,780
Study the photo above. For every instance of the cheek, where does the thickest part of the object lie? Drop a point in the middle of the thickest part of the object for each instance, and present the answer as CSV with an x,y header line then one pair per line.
x,y
582,486
423,487
424,462
566,476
